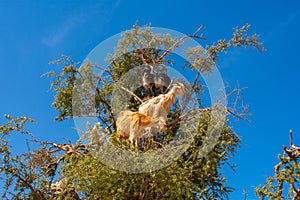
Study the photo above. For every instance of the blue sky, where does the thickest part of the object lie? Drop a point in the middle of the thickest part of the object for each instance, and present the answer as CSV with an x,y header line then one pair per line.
x,y
32,33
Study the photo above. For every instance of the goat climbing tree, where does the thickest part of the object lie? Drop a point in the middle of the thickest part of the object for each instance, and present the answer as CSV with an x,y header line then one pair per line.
x,y
72,171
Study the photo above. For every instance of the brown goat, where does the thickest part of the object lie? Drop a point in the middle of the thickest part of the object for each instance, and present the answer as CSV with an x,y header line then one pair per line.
x,y
132,125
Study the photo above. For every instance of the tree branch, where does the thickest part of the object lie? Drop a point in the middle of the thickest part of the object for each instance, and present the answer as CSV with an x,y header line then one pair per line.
x,y
32,189
123,88
194,35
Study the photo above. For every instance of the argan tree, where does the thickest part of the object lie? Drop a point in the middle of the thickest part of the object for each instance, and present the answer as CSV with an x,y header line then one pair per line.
x,y
77,171
285,183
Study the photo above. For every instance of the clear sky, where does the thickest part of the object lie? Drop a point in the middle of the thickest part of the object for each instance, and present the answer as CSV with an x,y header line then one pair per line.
x,y
32,33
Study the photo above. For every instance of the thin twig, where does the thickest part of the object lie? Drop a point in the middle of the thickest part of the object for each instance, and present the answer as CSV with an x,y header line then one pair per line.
x,y
194,35
169,86
123,88
185,114
237,115
33,190
291,139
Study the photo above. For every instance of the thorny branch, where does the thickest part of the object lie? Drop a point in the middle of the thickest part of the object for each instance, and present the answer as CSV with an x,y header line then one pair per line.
x,y
146,58
185,115
103,101
68,149
194,35
169,86
20,178
237,109
123,88
236,92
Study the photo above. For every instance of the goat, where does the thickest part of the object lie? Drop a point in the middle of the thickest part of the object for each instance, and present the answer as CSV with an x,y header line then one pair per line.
x,y
57,187
148,79
155,81
132,124
161,81
97,138
160,106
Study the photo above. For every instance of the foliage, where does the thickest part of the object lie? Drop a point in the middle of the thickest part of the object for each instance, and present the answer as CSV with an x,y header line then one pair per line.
x,y
71,171
285,183
30,175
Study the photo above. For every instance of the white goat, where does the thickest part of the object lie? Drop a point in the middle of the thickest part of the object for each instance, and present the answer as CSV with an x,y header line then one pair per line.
x,y
132,124
57,187
160,106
